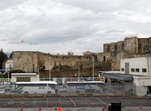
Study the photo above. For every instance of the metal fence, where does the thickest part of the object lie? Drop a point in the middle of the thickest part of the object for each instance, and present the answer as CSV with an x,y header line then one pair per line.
x,y
120,88
114,89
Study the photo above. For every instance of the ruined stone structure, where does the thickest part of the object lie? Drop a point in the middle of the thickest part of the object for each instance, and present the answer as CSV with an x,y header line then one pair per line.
x,y
37,61
68,65
130,47
59,65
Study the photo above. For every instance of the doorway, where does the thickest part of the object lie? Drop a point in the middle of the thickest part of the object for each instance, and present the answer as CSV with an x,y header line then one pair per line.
x,y
127,68
148,89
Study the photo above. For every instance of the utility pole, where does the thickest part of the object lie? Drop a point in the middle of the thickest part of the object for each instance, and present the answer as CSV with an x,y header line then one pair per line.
x,y
93,66
49,74
8,69
8,75
49,69
78,71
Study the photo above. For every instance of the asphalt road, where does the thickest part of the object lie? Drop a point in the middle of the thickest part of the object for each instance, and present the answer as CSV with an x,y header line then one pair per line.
x,y
76,109
82,103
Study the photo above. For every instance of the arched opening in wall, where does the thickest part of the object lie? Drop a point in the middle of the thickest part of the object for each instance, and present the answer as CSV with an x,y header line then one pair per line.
x,y
139,46
54,63
42,68
104,58
112,48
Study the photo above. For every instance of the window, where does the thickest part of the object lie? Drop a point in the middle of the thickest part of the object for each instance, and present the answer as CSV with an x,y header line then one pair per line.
x,y
52,86
76,84
119,48
112,48
137,70
32,85
132,70
104,58
41,87
23,79
122,69
145,46
144,70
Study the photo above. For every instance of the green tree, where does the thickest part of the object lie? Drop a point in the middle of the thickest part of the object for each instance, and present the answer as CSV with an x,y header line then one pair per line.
x,y
3,59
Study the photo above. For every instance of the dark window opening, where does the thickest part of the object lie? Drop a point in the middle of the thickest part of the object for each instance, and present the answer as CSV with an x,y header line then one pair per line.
x,y
104,59
144,70
149,90
122,69
137,70
132,70
23,79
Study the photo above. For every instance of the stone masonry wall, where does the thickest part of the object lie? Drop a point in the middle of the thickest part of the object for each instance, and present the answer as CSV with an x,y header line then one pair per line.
x,y
34,61
26,62
129,48
59,65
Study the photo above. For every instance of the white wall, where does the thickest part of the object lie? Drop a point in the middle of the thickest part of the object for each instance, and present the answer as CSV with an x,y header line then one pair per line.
x,y
141,91
142,80
9,64
140,63
33,77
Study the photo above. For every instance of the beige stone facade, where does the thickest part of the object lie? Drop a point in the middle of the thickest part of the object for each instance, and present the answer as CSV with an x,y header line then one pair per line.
x,y
59,65
35,61
113,52
131,45
128,48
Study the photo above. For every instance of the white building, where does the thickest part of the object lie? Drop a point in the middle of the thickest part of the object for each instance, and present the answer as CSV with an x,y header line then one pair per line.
x,y
136,71
24,77
136,66
9,64
140,68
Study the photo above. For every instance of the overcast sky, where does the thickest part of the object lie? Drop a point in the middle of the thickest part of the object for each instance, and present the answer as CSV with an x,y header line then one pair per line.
x,y
59,26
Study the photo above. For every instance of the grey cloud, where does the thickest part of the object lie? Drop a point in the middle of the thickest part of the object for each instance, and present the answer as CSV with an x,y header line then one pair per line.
x,y
75,24
114,31
61,35
95,5
109,5
4,4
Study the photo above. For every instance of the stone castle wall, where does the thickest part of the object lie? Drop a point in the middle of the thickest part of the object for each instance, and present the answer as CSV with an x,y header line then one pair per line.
x,y
131,45
37,61
111,57
60,65
128,48
26,62
144,45
34,61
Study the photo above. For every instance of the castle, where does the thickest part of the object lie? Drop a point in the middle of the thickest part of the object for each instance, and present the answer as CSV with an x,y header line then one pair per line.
x,y
68,65
57,65
129,48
